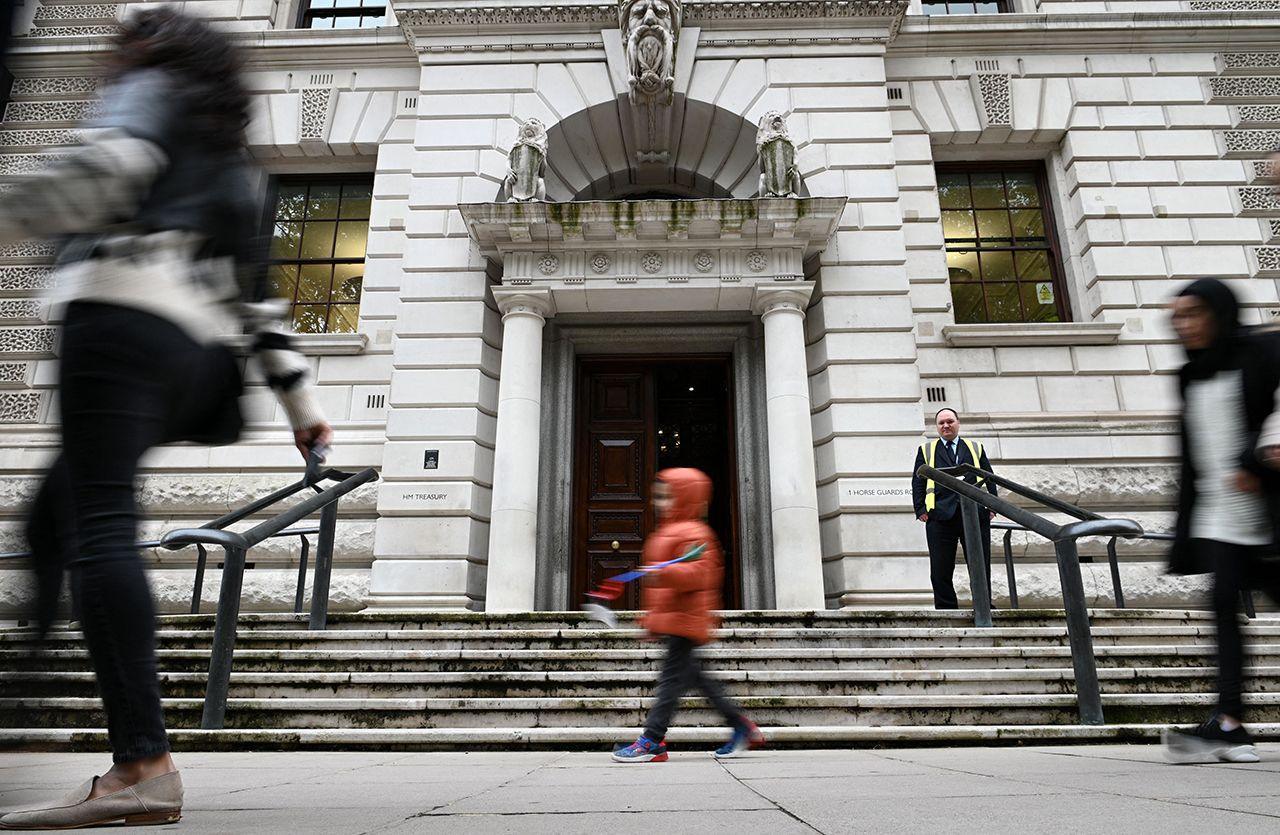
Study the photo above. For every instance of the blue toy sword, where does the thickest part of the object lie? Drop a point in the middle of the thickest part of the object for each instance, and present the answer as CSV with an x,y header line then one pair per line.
x,y
612,588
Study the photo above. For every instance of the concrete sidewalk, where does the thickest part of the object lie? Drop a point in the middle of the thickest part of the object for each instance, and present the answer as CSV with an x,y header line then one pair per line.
x,y
1041,789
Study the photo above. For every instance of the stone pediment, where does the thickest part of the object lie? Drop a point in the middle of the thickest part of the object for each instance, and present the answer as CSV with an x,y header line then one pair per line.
x,y
653,254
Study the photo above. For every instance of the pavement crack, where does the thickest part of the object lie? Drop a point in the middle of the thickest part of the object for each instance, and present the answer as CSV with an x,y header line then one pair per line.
x,y
775,804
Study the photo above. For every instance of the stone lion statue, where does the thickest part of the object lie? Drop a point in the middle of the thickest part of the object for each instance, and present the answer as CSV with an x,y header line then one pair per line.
x,y
649,31
779,176
527,164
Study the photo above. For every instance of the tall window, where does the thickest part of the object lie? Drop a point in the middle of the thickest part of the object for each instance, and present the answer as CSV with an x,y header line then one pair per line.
x,y
318,237
938,7
1002,255
343,14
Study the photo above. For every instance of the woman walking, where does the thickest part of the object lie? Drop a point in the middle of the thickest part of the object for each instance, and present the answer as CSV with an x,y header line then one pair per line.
x,y
158,208
1227,508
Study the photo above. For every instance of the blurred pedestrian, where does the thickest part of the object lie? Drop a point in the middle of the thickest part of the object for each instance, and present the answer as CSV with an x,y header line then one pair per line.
x,y
160,261
679,602
1227,506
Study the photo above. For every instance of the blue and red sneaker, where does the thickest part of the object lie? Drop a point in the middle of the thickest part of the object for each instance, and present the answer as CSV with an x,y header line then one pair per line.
x,y
746,737
643,750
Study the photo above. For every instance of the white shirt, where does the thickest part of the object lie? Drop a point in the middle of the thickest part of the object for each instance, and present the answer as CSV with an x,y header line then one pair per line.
x,y
1217,435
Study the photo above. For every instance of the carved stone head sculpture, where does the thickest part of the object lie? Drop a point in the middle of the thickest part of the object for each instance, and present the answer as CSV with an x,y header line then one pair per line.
x,y
649,31
533,132
779,176
772,125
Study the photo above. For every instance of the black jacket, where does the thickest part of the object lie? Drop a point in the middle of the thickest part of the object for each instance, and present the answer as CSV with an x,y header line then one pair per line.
x,y
948,503
1257,356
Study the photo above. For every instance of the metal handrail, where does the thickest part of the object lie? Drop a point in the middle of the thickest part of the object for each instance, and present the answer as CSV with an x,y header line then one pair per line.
x,y
1063,537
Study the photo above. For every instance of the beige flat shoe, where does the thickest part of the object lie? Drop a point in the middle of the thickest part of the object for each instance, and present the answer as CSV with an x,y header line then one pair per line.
x,y
151,802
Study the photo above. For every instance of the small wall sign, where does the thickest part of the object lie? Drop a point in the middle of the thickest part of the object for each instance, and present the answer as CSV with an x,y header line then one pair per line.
x,y
431,459
1044,292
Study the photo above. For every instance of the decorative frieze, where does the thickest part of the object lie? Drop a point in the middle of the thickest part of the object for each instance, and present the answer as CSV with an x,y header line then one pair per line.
x,y
1249,142
1245,86
1259,114
1265,169
25,279
994,98
40,87
19,407
29,342
25,310
1268,258
1251,60
13,374
71,31
1235,5
12,165
315,113
1255,200
37,138
50,111
1273,227
29,250
77,13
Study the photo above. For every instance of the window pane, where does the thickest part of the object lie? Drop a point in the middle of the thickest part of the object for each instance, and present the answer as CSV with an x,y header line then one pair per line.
x,y
284,243
347,4
988,8
321,4
993,224
290,202
988,189
1028,223
347,281
957,225
953,191
309,318
1002,303
343,318
352,236
321,23
1033,266
997,266
1022,187
313,283
317,240
283,280
323,202
346,23
1038,300
967,300
962,266
935,8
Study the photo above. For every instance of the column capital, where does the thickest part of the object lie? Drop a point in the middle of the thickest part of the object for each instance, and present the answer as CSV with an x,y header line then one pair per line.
x,y
770,298
525,301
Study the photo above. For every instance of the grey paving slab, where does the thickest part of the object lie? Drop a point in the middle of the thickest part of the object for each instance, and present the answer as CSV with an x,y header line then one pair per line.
x,y
735,823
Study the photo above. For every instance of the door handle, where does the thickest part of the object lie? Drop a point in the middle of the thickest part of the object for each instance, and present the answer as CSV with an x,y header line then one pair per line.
x,y
615,545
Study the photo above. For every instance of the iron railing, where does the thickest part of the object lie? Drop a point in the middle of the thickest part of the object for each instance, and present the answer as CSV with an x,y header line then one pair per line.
x,y
1063,537
236,545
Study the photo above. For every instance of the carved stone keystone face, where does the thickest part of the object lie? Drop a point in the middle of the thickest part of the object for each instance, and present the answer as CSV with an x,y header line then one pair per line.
x,y
649,29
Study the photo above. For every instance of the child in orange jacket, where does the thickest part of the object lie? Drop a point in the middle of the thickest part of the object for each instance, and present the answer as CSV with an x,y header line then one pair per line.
x,y
679,601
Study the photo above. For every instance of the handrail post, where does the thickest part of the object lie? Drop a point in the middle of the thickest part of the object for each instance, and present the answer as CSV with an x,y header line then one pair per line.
x,y
197,591
324,566
1114,559
302,576
224,640
975,556
1088,693
1008,569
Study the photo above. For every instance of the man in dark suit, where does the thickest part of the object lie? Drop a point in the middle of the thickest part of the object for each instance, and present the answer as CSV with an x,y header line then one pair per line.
x,y
939,508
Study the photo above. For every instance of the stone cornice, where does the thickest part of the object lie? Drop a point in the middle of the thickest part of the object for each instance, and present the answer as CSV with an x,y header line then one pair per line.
x,y
423,17
1111,31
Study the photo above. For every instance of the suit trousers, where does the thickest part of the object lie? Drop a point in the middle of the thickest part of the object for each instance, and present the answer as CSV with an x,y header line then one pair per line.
x,y
943,535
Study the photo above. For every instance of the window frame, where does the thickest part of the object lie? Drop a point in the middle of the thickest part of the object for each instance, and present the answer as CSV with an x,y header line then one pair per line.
x,y
306,14
269,220
1039,171
1002,7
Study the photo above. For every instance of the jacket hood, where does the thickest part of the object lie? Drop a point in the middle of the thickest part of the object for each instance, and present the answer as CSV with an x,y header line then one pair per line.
x,y
690,493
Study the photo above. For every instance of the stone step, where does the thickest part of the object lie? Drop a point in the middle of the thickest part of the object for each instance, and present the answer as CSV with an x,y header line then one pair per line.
x,y
968,709
398,640
640,682
306,662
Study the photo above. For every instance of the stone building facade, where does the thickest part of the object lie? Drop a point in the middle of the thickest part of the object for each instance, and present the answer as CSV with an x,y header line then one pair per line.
x,y
539,250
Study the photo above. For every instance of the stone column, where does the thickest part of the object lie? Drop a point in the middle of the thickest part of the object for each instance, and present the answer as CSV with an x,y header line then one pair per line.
x,y
797,547
513,522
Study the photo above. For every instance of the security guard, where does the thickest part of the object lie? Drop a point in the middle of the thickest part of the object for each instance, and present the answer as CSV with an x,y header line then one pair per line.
x,y
939,508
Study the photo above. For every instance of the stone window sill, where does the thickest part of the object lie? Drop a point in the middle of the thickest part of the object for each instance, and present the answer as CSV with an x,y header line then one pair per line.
x,y
318,344
1032,334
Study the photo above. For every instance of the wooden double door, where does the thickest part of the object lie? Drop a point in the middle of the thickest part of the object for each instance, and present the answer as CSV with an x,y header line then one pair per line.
x,y
636,416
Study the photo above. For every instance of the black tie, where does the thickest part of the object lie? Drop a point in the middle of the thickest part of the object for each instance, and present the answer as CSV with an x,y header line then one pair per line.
x,y
951,448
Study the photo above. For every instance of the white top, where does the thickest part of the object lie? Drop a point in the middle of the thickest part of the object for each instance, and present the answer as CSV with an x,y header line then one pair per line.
x,y
1217,435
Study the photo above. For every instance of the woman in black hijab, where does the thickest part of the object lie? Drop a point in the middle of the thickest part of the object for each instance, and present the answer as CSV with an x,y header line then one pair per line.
x,y
1227,520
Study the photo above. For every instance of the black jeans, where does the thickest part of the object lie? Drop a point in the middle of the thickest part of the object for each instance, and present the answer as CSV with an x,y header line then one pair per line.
x,y
1236,568
682,671
943,535
128,381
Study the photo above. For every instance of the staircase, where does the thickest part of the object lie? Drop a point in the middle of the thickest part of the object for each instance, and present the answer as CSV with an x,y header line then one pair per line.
x,y
427,680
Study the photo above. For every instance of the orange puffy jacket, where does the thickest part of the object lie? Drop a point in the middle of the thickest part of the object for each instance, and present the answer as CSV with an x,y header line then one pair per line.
x,y
679,599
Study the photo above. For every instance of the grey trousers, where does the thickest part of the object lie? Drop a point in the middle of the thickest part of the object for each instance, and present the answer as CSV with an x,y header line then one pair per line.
x,y
681,672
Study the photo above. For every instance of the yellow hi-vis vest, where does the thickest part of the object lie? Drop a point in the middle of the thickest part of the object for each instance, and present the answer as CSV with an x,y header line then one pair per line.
x,y
929,450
